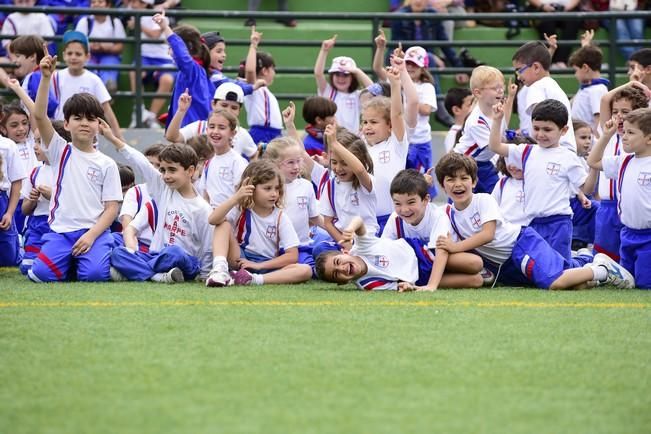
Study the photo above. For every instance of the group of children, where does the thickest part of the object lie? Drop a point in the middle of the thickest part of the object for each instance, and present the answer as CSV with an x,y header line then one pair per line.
x,y
351,199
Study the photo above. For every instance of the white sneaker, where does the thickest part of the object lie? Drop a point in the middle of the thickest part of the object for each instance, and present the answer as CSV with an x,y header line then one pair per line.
x,y
175,275
618,276
151,120
218,278
116,276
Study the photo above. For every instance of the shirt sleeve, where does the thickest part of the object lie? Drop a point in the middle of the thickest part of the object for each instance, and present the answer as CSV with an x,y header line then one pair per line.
x,y
82,25
112,188
140,221
142,166
595,99
488,209
129,204
515,155
389,231
610,166
427,95
312,204
54,148
534,95
497,191
576,173
287,233
441,227
118,28
101,92
245,143
191,130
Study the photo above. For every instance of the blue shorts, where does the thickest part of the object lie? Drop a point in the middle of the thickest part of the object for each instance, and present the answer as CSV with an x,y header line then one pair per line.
x,y
607,229
486,177
425,259
154,76
635,254
419,156
37,226
557,231
532,260
140,266
10,255
55,263
583,220
263,134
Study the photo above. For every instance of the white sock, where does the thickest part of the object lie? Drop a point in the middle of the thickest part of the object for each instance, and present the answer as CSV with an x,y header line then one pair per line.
x,y
219,262
158,277
257,279
600,272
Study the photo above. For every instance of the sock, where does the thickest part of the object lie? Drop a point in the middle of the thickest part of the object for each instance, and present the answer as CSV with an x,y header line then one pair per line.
x,y
600,272
257,279
219,263
158,277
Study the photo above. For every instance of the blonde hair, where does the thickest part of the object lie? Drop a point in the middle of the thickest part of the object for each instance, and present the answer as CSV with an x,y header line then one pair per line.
x,y
277,146
483,75
261,172
380,103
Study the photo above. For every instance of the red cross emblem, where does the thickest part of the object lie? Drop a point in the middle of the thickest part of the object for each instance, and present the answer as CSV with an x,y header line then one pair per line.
x,y
553,169
302,202
384,157
350,103
270,232
476,220
644,178
519,196
381,261
93,174
225,172
354,199
23,152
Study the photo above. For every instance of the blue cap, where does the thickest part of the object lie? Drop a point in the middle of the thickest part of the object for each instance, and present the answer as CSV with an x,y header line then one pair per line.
x,y
75,36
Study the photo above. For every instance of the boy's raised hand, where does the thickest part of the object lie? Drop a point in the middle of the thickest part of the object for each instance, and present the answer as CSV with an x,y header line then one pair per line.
x,y
397,52
327,44
48,64
498,111
162,21
184,101
381,40
512,88
610,126
393,74
255,37
105,130
289,113
552,42
399,63
587,37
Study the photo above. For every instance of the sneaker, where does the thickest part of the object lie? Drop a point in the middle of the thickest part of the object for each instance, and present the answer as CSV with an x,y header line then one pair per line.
x,y
241,277
487,276
116,276
175,275
618,276
468,60
218,279
150,120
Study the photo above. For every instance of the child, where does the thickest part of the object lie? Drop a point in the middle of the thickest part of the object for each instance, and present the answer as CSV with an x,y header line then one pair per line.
x,y
180,248
531,62
86,192
217,46
26,23
26,52
415,217
342,86
228,96
639,66
351,192
300,200
36,193
253,234
583,219
608,226
586,62
458,102
487,85
517,255
384,131
383,264
12,173
193,60
551,173
262,109
318,112
152,55
76,78
509,193
104,53
223,172
633,173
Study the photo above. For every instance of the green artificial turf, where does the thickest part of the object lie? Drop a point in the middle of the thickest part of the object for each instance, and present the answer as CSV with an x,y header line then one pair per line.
x,y
149,358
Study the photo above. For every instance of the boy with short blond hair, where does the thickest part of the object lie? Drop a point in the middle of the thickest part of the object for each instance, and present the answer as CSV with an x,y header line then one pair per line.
x,y
487,86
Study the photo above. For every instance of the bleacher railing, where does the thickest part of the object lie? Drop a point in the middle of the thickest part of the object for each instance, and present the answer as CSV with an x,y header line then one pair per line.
x,y
375,19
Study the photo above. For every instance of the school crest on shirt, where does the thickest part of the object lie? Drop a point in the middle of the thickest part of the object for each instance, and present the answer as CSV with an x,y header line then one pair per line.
x,y
301,201
519,196
354,199
84,89
225,172
94,175
23,152
384,157
271,232
476,220
553,169
350,102
644,179
381,261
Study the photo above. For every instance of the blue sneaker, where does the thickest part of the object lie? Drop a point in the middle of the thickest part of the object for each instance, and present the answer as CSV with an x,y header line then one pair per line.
x,y
618,276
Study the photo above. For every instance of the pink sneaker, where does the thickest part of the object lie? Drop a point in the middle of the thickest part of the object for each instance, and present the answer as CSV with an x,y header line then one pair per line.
x,y
241,277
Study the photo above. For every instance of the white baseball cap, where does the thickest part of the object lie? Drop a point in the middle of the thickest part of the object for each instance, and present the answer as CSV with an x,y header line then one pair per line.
x,y
342,64
418,56
229,92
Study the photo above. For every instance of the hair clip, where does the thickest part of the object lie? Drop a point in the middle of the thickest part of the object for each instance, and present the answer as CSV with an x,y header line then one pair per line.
x,y
375,89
